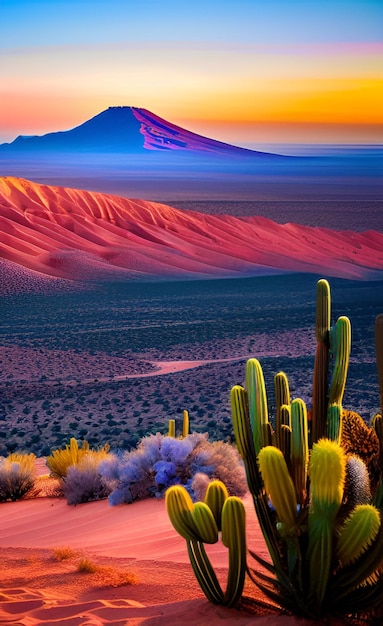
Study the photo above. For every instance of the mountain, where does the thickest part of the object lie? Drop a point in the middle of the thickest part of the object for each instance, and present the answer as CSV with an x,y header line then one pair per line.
x,y
78,235
124,129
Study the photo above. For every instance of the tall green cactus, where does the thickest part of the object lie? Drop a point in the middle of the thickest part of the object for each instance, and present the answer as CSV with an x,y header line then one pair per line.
x,y
326,554
331,343
198,524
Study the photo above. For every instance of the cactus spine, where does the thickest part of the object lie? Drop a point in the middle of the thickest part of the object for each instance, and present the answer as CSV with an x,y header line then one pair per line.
x,y
197,524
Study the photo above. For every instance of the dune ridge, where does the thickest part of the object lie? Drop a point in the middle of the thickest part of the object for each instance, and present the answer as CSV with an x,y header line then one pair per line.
x,y
66,233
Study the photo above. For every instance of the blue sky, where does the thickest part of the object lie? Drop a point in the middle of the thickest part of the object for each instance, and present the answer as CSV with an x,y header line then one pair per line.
x,y
240,71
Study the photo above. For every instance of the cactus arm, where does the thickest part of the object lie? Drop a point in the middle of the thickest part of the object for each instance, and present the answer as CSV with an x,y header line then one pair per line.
x,y
285,441
204,572
282,399
255,385
358,532
342,352
320,380
299,448
191,521
334,422
215,497
353,575
234,538
279,486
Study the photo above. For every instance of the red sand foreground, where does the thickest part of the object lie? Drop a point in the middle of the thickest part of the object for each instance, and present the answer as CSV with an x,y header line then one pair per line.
x,y
81,235
135,541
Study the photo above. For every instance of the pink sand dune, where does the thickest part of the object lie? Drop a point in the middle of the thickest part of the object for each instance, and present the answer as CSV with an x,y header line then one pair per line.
x,y
79,235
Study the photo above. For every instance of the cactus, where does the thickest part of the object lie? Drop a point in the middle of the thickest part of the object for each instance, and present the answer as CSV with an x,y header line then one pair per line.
x,y
359,531
321,364
282,402
172,428
334,342
299,454
327,478
197,524
279,487
323,533
185,424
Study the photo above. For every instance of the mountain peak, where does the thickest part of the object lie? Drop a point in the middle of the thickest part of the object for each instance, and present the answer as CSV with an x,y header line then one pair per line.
x,y
125,129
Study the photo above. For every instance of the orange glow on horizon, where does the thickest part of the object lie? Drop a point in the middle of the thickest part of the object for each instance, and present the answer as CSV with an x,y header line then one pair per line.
x,y
343,110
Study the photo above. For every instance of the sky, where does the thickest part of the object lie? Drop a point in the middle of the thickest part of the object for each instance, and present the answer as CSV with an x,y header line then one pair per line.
x,y
249,72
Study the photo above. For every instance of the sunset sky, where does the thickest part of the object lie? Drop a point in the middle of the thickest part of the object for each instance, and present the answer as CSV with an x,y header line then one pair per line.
x,y
242,71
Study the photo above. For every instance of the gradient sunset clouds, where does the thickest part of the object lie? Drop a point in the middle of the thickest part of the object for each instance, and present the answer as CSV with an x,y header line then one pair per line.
x,y
242,71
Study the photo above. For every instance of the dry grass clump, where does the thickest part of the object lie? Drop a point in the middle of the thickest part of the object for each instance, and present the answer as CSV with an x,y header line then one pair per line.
x,y
61,460
86,566
64,553
106,576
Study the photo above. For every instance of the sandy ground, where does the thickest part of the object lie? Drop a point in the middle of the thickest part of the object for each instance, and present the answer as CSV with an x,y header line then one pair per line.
x,y
141,570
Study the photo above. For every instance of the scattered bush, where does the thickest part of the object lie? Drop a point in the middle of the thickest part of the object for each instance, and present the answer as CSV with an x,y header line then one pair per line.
x,y
84,483
17,476
160,461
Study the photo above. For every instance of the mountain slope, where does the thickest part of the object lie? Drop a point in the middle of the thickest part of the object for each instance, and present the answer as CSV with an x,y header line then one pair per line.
x,y
82,235
124,130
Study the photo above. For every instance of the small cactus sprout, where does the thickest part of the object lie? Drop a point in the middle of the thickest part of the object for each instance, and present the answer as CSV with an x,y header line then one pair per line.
x,y
359,531
185,424
172,428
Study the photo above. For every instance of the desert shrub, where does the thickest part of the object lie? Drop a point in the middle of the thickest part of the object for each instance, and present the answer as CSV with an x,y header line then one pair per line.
x,y
160,461
84,483
17,476
62,459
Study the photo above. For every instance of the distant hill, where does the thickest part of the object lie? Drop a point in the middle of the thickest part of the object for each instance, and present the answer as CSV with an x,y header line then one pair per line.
x,y
127,130
78,235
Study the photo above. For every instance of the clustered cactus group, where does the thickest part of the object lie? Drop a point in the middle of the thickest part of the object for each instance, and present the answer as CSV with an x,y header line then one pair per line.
x,y
320,514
